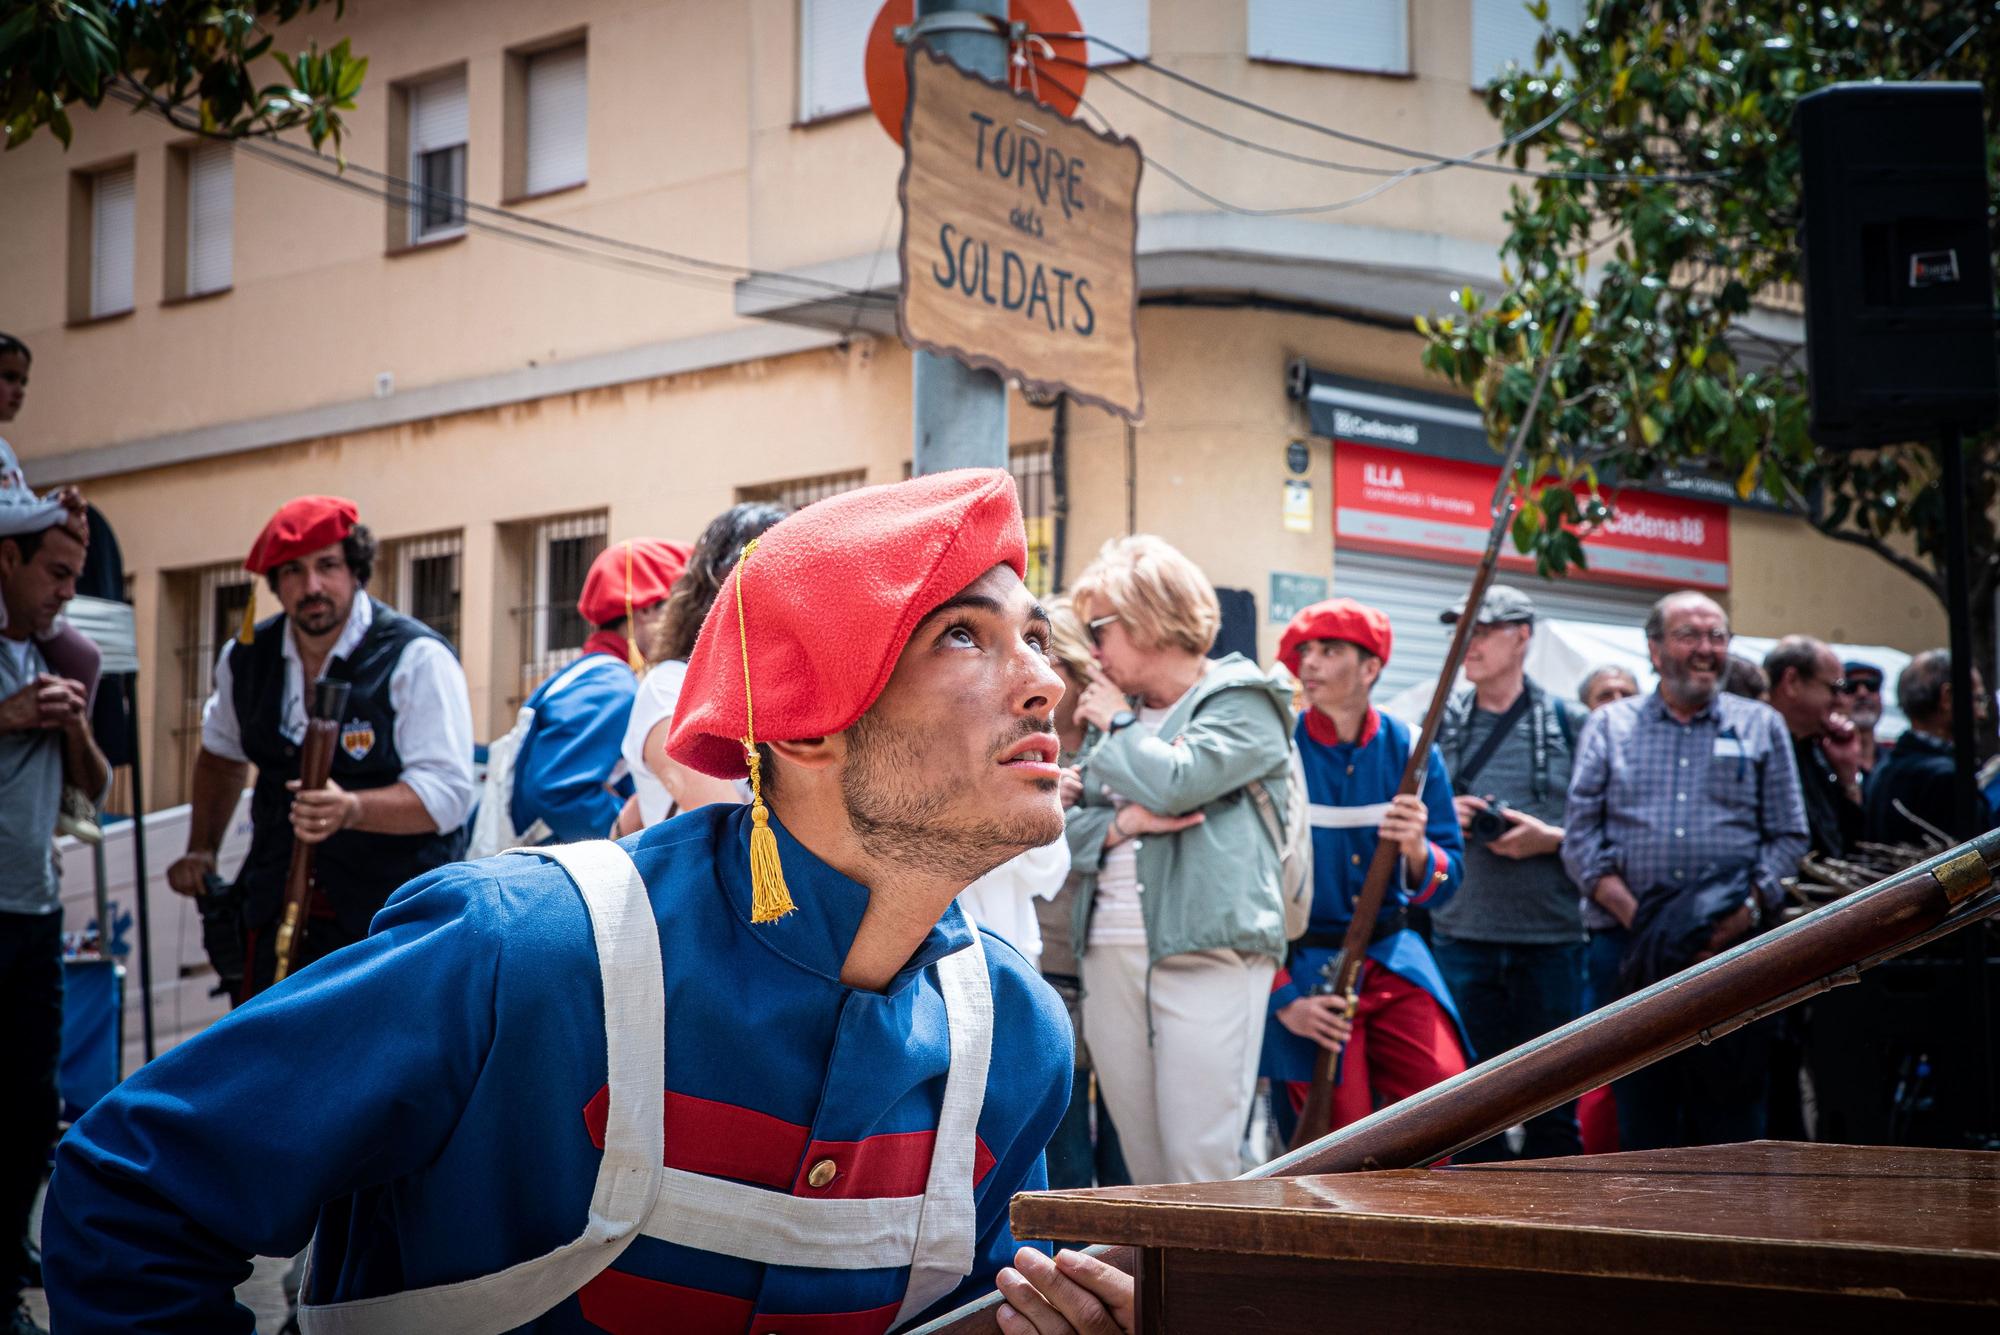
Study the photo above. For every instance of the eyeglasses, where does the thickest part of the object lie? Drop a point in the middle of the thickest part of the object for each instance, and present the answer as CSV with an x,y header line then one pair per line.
x,y
1689,636
1855,685
1096,625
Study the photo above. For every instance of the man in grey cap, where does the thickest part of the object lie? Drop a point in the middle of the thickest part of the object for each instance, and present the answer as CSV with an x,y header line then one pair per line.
x,y
1511,944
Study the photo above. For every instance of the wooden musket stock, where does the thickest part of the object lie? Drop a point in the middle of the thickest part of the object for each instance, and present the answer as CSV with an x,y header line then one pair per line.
x,y
315,766
1789,964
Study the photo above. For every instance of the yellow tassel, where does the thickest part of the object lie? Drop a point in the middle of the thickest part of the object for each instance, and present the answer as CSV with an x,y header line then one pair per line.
x,y
248,630
770,898
635,659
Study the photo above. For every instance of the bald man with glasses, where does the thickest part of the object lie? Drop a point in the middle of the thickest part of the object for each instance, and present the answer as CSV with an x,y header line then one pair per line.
x,y
1685,809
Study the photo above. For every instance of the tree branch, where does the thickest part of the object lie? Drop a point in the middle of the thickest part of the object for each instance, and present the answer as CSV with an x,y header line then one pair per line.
x,y
1915,569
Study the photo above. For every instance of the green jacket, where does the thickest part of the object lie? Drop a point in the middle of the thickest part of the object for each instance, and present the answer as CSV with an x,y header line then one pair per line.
x,y
1212,886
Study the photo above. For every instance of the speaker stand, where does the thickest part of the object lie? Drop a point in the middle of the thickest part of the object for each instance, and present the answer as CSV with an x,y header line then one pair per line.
x,y
1958,608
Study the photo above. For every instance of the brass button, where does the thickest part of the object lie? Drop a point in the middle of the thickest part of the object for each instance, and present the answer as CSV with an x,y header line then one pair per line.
x,y
821,1174
1355,858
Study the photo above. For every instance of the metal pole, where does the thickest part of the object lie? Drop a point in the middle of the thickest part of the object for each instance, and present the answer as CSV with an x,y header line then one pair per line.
x,y
1958,608
1965,789
139,869
959,414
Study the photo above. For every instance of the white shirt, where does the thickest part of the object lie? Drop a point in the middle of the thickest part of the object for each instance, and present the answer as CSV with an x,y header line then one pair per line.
x,y
1002,901
426,689
1115,916
659,690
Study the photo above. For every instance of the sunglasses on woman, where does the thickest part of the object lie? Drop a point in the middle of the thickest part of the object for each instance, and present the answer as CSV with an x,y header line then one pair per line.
x,y
1096,625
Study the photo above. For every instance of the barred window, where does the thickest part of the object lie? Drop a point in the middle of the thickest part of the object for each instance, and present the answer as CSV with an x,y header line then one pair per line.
x,y
210,602
799,492
420,577
559,553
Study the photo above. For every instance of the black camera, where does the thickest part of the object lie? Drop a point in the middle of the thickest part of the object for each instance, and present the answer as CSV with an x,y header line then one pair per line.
x,y
1491,823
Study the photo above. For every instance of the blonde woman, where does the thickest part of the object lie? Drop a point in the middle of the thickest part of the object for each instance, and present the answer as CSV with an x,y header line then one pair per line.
x,y
1178,922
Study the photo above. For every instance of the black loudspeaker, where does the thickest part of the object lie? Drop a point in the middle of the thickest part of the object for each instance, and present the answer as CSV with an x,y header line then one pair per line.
x,y
1898,262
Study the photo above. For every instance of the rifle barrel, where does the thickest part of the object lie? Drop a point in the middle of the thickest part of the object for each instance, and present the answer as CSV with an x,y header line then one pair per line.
x,y
1824,949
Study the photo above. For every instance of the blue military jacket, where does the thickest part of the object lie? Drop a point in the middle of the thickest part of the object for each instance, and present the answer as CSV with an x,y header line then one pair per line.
x,y
571,751
1344,782
433,1098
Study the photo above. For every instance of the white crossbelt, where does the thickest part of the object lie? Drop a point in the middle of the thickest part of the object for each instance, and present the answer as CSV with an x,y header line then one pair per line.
x,y
1323,817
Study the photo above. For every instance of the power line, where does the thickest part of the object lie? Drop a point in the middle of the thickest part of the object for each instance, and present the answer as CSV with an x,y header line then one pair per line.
x,y
1396,178
559,237
1469,161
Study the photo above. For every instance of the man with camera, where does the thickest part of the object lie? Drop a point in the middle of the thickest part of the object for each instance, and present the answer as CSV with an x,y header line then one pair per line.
x,y
1511,943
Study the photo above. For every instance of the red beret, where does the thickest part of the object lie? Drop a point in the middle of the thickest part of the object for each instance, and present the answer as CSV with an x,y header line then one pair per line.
x,y
301,526
1336,619
653,567
830,597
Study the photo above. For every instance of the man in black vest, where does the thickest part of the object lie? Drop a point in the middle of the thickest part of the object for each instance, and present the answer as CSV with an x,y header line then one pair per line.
x,y
401,785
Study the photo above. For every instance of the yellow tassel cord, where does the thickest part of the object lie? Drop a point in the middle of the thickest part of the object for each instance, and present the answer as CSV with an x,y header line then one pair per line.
x,y
636,659
770,899
248,630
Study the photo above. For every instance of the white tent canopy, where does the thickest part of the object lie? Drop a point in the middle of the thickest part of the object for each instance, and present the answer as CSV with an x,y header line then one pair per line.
x,y
111,627
1563,653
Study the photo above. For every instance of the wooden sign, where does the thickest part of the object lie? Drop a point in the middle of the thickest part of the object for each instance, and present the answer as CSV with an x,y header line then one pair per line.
x,y
1019,241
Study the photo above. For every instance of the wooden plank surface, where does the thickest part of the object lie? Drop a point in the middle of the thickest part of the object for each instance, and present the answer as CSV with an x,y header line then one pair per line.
x,y
1824,1218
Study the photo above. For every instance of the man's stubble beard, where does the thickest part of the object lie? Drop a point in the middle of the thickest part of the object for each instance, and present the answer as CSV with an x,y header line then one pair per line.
x,y
1679,678
905,822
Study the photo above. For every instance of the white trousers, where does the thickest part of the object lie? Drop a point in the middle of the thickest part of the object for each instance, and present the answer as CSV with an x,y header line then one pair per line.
x,y
1181,1104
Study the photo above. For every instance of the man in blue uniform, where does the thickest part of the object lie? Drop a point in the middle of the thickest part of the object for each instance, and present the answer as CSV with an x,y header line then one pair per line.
x,y
748,1070
1405,1034
565,771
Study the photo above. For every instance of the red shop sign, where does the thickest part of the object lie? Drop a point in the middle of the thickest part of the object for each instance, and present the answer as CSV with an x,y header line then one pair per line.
x,y
1414,504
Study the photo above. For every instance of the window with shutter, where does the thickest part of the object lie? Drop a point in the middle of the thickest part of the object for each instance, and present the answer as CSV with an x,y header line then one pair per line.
x,y
1504,30
556,150
1128,23
211,218
111,239
1372,36
437,157
833,35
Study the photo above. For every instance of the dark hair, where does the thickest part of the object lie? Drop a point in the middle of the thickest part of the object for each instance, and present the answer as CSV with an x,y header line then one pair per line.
x,y
30,543
1920,686
1742,677
358,549
1796,654
714,556
9,343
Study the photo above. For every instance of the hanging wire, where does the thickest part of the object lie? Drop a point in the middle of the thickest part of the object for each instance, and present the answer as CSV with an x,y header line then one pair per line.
x,y
1470,161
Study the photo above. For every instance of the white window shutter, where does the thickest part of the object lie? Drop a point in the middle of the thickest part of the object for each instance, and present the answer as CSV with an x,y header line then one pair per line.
x,y
833,37
1504,30
111,240
437,114
1368,35
211,218
1126,22
557,148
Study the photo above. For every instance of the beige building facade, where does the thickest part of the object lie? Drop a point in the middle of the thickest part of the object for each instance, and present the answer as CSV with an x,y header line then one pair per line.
x,y
646,309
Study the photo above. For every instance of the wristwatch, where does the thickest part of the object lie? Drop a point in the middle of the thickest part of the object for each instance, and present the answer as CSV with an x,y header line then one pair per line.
x,y
1124,718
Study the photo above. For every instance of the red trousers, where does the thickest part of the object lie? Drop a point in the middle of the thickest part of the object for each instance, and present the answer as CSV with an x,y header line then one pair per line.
x,y
1404,1042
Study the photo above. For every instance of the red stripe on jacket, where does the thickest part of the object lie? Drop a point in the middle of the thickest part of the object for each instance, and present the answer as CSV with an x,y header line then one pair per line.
x,y
633,1305
724,1140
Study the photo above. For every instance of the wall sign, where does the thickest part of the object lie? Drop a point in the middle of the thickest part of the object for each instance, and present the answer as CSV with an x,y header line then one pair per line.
x,y
1019,239
1392,501
1292,594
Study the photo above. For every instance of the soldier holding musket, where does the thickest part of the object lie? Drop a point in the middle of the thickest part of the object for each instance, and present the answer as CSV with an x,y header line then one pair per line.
x,y
401,781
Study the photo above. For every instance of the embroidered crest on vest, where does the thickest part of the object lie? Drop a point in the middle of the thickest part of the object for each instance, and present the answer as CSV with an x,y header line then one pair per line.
x,y
357,738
